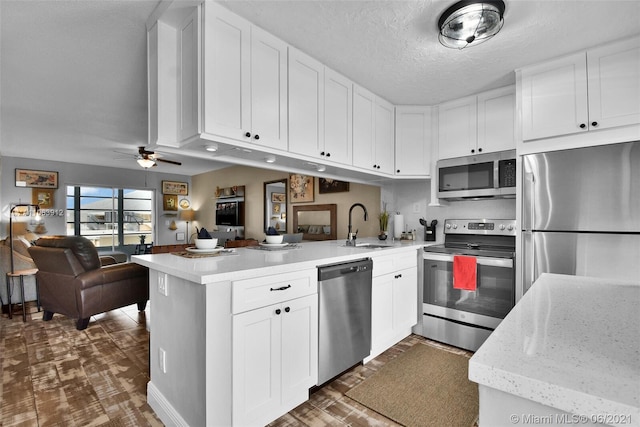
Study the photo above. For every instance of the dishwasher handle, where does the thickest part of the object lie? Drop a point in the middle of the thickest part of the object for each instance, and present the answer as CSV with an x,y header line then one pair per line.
x,y
331,271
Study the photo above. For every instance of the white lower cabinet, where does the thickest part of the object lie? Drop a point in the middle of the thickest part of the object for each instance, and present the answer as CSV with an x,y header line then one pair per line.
x,y
275,359
394,301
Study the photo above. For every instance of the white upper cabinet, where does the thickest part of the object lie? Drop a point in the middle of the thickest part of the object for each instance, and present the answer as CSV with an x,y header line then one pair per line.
x,y
482,123
244,80
586,91
373,132
457,128
320,111
413,141
306,104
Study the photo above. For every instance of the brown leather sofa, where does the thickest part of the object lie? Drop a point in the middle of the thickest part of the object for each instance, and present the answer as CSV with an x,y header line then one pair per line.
x,y
73,282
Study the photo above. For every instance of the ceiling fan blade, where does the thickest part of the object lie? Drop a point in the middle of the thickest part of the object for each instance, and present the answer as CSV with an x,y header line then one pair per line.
x,y
173,162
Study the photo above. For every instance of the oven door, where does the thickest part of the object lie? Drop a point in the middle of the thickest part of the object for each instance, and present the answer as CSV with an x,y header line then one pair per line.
x,y
485,307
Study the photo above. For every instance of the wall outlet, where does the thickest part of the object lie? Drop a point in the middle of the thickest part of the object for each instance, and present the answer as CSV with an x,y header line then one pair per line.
x,y
162,360
416,208
163,286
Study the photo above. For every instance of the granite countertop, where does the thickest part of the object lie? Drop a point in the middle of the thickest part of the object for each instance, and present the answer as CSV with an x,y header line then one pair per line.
x,y
571,343
247,263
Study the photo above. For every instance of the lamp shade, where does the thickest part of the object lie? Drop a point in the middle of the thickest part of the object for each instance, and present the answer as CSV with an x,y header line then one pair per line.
x,y
468,23
187,215
146,163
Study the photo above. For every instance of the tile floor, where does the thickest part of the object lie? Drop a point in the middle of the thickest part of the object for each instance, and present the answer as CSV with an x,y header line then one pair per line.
x,y
54,375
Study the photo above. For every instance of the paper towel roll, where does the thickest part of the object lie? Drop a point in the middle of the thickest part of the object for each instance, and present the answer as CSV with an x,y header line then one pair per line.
x,y
398,225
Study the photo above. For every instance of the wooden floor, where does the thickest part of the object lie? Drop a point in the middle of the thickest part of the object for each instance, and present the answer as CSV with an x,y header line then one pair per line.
x,y
54,375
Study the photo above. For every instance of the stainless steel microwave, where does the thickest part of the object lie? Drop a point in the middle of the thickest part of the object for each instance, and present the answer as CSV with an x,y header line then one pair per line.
x,y
483,176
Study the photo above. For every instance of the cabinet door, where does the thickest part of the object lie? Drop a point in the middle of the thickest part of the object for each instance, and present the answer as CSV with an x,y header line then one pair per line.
x,y
413,141
268,90
299,349
405,299
381,312
384,132
306,104
496,120
188,78
226,72
457,128
256,365
554,98
337,118
364,103
614,84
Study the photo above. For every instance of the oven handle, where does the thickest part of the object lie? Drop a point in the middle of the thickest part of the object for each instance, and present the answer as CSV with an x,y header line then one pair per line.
x,y
491,262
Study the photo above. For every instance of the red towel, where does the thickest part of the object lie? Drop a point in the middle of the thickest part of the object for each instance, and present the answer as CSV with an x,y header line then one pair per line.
x,y
464,272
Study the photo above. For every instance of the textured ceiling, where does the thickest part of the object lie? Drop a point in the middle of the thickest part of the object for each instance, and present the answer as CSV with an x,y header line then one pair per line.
x,y
73,73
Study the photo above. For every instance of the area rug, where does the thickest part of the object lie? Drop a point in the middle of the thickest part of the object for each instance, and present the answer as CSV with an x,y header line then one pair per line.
x,y
424,386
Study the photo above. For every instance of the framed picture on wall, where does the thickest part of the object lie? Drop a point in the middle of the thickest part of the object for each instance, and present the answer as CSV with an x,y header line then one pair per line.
x,y
278,197
300,188
43,197
175,187
36,179
326,185
170,202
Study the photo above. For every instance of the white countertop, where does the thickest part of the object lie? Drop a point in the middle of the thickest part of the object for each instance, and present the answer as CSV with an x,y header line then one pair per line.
x,y
247,263
572,343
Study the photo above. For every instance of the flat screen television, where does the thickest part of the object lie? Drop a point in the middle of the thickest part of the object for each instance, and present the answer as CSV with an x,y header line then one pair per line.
x,y
230,213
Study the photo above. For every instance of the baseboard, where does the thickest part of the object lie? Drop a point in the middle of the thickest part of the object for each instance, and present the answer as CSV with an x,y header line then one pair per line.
x,y
163,409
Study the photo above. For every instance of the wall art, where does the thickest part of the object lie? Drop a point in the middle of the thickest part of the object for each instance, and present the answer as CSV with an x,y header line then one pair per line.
x,y
36,179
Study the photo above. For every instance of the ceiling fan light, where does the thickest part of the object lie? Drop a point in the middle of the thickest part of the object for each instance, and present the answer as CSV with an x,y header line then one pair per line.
x,y
470,22
146,163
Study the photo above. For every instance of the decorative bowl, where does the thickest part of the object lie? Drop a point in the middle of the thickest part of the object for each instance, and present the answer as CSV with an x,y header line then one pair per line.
x,y
274,239
206,243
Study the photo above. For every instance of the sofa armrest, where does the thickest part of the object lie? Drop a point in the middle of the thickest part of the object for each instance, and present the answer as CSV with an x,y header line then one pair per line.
x,y
107,260
112,273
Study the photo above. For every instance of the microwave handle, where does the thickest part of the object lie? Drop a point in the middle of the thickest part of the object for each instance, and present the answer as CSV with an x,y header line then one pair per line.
x,y
490,262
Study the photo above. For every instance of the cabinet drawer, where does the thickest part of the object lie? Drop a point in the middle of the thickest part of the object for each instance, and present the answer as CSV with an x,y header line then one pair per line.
x,y
390,263
262,291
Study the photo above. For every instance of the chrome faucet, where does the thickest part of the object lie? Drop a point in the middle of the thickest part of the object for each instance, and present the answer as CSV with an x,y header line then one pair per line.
x,y
351,238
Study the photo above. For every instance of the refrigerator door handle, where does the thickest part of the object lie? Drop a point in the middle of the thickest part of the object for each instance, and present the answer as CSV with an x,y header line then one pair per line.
x,y
528,261
528,203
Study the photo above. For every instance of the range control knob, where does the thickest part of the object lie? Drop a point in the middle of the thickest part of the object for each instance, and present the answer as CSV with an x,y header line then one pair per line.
x,y
502,227
510,227
448,226
455,226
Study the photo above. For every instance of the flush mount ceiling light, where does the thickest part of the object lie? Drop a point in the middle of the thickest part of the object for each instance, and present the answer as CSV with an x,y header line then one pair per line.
x,y
468,23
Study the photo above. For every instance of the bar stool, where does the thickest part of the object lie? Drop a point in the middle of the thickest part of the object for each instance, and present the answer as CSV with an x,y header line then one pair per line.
x,y
21,275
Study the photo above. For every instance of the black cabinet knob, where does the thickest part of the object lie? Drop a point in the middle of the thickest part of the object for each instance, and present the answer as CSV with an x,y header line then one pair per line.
x,y
378,167
287,309
397,170
328,154
582,126
374,166
479,150
278,311
473,151
594,124
248,135
322,153
257,137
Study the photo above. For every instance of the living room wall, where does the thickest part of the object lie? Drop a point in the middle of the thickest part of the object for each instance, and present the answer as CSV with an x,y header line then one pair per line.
x,y
76,174
204,197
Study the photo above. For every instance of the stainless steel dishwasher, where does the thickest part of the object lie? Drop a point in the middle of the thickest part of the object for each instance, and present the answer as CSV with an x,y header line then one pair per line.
x,y
344,299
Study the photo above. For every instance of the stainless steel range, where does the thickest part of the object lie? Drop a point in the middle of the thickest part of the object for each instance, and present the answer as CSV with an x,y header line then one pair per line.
x,y
481,254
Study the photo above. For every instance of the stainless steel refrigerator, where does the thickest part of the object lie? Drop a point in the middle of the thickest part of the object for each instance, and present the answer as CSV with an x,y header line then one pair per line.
x,y
581,212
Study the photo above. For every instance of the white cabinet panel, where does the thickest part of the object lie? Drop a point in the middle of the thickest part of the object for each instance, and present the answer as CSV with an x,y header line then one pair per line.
x,y
496,120
364,103
384,132
413,141
457,128
338,120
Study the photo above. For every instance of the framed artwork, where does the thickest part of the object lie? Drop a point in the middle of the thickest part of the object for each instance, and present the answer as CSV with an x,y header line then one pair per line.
x,y
276,208
175,187
170,202
184,203
43,197
36,179
278,197
300,188
326,185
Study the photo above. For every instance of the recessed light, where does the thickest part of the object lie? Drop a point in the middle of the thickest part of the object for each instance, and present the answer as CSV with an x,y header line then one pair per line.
x,y
321,168
211,147
270,159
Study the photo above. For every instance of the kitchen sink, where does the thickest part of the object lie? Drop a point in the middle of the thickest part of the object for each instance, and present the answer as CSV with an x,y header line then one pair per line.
x,y
368,246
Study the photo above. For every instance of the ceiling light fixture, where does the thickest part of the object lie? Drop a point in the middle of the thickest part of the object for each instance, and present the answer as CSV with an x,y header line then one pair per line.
x,y
270,159
146,163
211,147
469,22
321,168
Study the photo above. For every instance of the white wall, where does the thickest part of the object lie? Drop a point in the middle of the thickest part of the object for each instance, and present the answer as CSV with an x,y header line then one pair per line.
x,y
75,174
404,196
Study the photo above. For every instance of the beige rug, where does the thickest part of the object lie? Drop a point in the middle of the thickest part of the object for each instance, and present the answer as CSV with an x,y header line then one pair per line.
x,y
424,386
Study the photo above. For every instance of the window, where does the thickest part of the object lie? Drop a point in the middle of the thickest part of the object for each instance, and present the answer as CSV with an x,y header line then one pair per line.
x,y
110,217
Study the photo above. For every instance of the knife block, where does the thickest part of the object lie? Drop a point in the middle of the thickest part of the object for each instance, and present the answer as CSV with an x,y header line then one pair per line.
x,y
429,234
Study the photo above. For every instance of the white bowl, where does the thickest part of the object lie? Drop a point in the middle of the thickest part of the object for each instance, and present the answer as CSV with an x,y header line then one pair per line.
x,y
206,243
273,239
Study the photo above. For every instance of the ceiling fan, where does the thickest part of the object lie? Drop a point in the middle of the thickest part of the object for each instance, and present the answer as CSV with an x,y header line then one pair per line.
x,y
147,159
